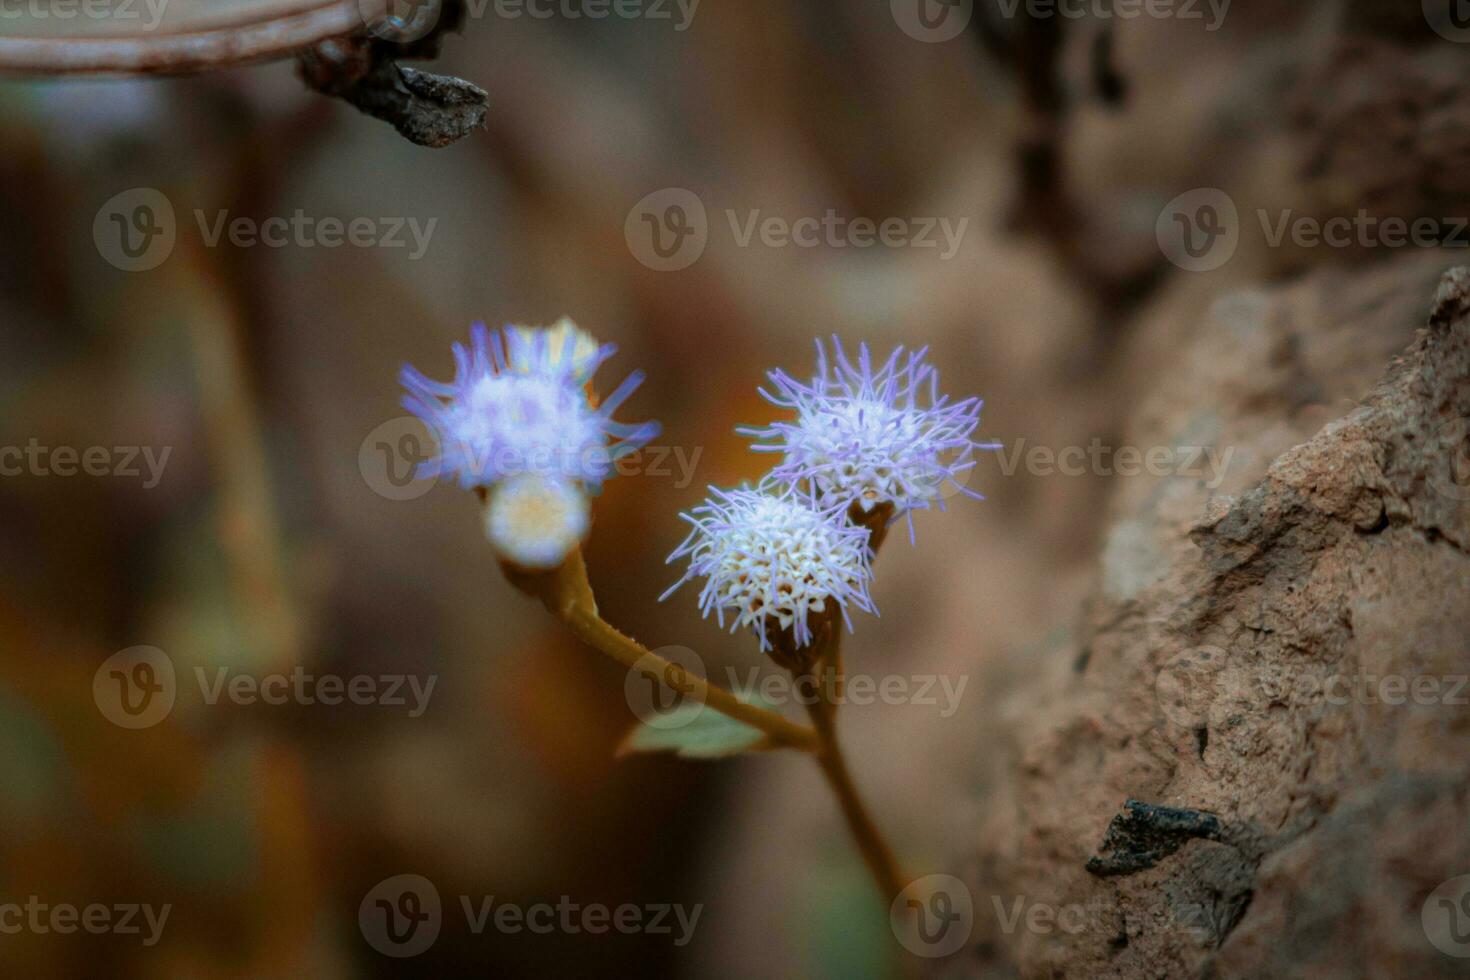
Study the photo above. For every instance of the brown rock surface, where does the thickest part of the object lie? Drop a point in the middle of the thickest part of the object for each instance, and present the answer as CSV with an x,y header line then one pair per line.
x,y
1281,660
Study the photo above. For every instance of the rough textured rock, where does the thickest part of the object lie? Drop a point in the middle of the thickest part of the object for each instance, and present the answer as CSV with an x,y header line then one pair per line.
x,y
1279,661
1384,127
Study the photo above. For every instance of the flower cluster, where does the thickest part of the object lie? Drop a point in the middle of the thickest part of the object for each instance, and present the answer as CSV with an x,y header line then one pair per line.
x,y
868,445
521,423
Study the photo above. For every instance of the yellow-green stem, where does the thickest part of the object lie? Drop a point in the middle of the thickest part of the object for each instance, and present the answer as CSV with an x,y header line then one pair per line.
x,y
877,855
568,596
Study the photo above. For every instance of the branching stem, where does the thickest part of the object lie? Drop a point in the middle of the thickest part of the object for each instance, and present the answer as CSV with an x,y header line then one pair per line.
x,y
568,597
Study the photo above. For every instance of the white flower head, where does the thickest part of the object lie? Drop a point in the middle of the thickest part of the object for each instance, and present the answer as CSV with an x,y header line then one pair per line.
x,y
529,411
870,436
772,558
534,521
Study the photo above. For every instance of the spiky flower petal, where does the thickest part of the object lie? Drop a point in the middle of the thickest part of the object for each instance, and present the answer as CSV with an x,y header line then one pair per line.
x,y
869,435
524,410
774,560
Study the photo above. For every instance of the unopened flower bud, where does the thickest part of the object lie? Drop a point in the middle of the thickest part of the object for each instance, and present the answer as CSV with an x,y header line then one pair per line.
x,y
534,521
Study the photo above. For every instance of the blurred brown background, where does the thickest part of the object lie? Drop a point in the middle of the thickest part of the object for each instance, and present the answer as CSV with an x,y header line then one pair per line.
x,y
270,542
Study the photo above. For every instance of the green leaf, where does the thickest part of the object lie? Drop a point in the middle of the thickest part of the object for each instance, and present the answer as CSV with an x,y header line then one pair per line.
x,y
694,730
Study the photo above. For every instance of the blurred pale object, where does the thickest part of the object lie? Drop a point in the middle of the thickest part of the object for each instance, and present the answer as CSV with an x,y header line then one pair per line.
x,y
167,36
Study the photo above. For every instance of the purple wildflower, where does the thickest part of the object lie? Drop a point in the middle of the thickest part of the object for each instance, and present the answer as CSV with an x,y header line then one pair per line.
x,y
528,411
871,436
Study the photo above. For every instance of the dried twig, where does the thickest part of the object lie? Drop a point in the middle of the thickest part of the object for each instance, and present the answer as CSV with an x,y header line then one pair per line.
x,y
427,109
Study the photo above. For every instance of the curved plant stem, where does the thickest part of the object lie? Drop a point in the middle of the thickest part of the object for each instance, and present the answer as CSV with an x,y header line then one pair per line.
x,y
827,671
568,595
870,842
597,633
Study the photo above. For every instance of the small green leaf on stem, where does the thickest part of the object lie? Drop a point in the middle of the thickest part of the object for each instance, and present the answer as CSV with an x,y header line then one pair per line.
x,y
693,731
